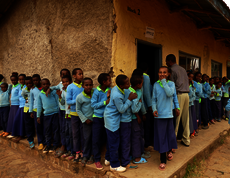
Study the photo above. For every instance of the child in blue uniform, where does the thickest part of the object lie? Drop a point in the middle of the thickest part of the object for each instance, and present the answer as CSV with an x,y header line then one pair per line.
x,y
50,106
100,99
218,95
85,112
226,83
73,90
162,101
212,106
29,122
4,105
112,116
34,92
14,101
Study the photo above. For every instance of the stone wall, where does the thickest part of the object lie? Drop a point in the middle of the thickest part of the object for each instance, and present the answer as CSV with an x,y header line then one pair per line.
x,y
44,36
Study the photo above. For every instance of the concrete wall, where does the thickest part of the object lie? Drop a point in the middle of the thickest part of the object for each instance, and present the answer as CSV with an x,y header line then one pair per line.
x,y
44,36
175,32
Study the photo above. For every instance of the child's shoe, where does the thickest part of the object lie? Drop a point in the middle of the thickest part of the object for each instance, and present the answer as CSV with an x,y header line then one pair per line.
x,y
107,163
98,165
146,156
84,161
5,134
131,166
46,150
212,121
118,169
66,154
90,160
10,136
52,149
219,120
40,146
31,145
71,156
2,133
77,158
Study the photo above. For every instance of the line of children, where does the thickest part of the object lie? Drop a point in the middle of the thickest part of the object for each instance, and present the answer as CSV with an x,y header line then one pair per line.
x,y
82,118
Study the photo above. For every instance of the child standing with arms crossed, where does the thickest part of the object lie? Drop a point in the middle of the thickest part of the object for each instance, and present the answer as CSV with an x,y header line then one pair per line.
x,y
100,99
73,90
4,105
29,122
112,116
162,101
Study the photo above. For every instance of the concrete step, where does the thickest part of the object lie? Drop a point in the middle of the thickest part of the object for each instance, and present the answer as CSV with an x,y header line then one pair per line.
x,y
200,148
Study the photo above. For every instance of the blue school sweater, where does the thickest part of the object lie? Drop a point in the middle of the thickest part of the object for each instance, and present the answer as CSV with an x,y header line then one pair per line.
x,y
136,107
5,97
162,100
73,90
116,107
199,90
226,87
22,101
98,101
14,94
26,96
213,89
49,104
206,90
227,107
175,101
59,87
192,95
63,102
83,106
218,95
146,91
34,99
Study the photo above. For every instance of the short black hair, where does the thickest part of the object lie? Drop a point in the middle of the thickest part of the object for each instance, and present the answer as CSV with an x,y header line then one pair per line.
x,y
36,76
75,71
28,78
65,70
190,73
171,57
120,80
164,67
46,79
22,75
86,78
5,84
1,77
138,72
14,74
135,80
219,82
68,77
143,66
102,78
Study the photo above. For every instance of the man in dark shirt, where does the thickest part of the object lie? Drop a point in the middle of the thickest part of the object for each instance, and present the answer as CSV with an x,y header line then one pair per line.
x,y
180,78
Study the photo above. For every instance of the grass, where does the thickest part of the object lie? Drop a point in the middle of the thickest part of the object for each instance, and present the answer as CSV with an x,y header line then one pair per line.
x,y
194,169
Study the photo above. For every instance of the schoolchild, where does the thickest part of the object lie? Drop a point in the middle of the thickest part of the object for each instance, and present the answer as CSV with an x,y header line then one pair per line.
x,y
218,95
4,105
50,107
29,122
73,90
162,102
14,100
39,127
1,78
212,105
19,125
226,84
99,100
112,117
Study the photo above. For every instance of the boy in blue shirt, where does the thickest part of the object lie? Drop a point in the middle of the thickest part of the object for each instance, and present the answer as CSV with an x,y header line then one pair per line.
x,y
162,104
85,112
4,105
100,99
29,122
73,90
218,95
112,116
50,106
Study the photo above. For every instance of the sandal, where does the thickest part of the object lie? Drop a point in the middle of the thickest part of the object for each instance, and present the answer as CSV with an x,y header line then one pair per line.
x,y
84,161
169,156
142,160
6,134
2,133
90,160
77,159
173,151
162,166
58,154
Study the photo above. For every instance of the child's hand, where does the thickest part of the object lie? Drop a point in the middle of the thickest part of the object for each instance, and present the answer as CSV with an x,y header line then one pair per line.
x,y
107,101
38,120
48,92
138,119
132,96
32,115
212,95
69,107
108,94
26,101
88,121
143,117
177,112
140,100
155,114
59,92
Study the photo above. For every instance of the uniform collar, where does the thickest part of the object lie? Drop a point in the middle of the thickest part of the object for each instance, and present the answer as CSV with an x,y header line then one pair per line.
x,y
15,85
145,74
43,91
161,83
132,90
78,85
87,96
122,91
99,89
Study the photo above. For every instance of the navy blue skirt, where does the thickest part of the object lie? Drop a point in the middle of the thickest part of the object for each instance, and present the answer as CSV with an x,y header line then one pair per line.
x,y
164,135
19,125
13,111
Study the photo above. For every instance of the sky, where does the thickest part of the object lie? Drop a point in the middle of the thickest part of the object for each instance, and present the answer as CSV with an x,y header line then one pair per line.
x,y
227,2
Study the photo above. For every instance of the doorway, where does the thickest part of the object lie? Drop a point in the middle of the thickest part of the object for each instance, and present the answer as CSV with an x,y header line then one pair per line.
x,y
152,55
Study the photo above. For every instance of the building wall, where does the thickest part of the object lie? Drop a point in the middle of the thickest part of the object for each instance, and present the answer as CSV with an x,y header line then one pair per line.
x,y
44,36
175,32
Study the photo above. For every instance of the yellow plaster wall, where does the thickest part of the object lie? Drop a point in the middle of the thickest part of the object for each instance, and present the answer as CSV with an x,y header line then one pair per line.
x,y
175,32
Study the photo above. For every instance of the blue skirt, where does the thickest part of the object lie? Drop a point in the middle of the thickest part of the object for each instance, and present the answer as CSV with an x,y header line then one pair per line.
x,y
19,125
164,135
13,111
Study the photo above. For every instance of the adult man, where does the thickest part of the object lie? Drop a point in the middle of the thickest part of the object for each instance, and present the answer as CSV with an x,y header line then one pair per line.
x,y
179,77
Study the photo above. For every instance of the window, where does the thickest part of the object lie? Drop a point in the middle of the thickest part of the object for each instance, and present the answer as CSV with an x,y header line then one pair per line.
x,y
216,69
189,62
